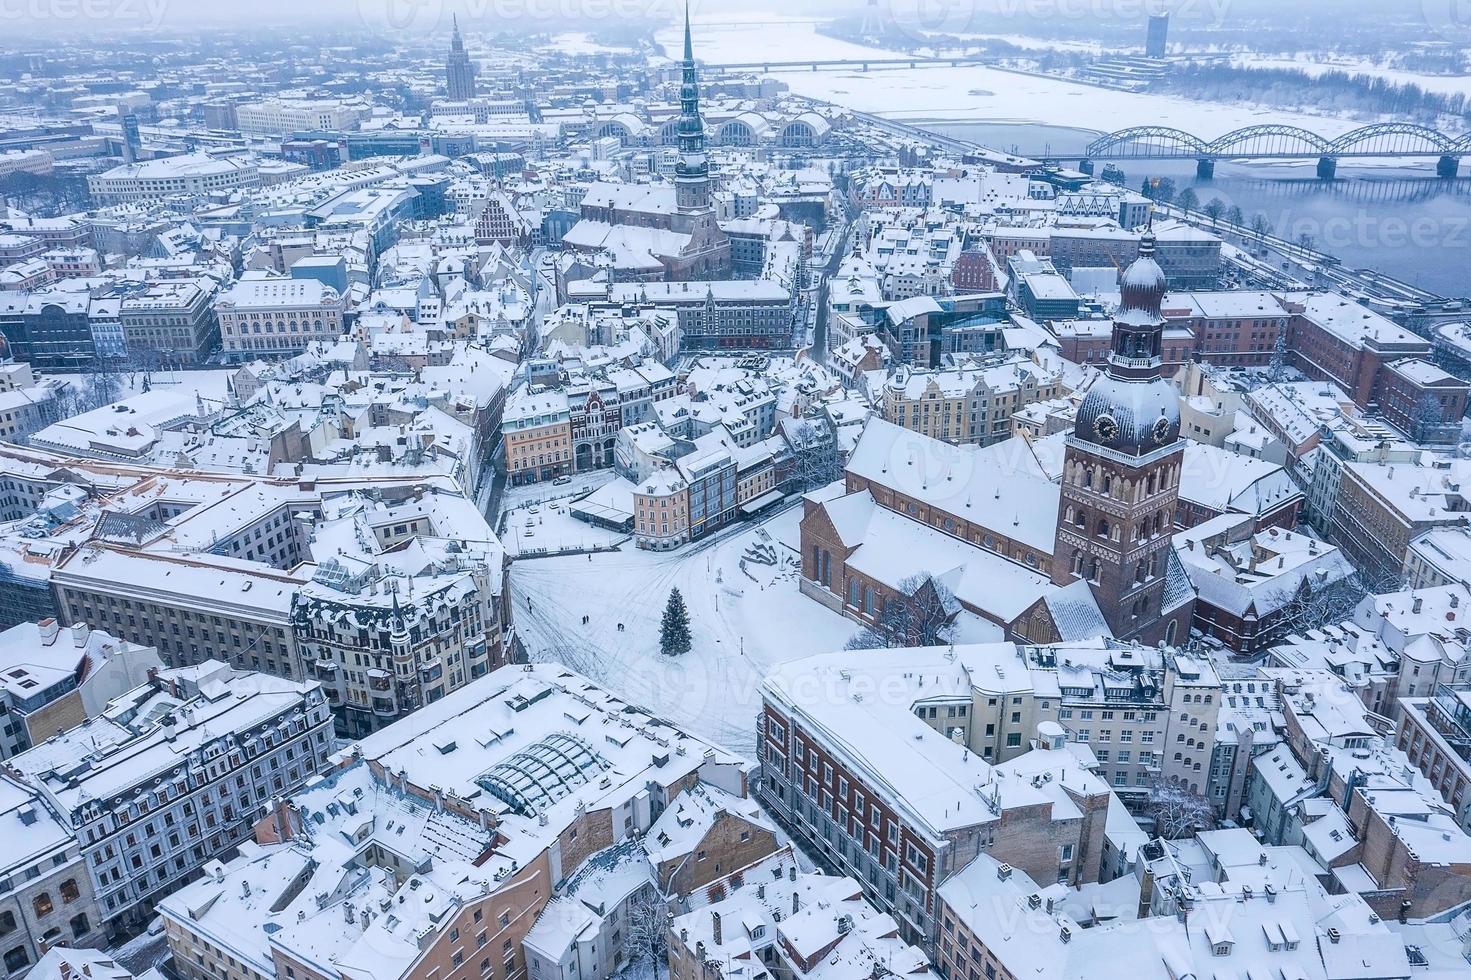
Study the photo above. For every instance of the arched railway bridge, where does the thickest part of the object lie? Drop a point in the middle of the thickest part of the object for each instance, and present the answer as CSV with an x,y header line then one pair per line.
x,y
1272,141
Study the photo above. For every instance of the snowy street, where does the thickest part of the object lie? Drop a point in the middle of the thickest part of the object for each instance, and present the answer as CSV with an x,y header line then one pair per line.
x,y
744,621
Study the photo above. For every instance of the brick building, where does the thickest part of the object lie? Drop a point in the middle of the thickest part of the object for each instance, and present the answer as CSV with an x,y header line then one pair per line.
x,y
880,795
1121,473
1422,401
1334,338
1435,733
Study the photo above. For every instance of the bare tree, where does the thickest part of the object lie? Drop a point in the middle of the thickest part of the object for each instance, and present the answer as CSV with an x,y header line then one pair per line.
x,y
867,639
1427,419
646,937
1278,371
918,613
103,386
817,461
1178,812
69,401
1307,608
1261,227
1213,209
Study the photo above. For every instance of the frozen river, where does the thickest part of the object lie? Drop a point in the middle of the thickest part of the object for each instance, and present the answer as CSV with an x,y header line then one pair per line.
x,y
1398,220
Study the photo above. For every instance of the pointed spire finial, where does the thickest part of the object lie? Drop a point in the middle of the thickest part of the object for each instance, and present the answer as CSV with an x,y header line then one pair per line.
x,y
689,49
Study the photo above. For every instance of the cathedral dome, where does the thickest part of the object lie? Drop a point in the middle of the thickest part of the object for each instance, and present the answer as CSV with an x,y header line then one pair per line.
x,y
1142,286
1131,417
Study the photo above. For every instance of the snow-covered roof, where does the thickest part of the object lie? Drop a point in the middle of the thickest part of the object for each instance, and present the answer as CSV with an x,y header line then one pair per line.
x,y
1000,486
866,700
1218,480
534,746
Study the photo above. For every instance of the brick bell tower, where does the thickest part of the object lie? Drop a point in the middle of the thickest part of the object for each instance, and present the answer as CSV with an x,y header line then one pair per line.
x,y
1121,470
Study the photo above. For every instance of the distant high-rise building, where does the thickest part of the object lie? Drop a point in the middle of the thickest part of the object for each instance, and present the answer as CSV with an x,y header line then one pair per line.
x,y
459,72
1159,30
131,138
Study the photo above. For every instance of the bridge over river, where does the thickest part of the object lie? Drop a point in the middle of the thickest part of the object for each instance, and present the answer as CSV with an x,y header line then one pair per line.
x,y
1275,141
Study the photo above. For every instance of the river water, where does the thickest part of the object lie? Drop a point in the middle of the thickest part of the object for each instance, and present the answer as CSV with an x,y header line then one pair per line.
x,y
1398,220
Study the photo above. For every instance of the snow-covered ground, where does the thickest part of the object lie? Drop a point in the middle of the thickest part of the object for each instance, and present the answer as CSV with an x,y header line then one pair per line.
x,y
744,622
533,528
142,953
979,94
580,43
1448,84
210,384
725,42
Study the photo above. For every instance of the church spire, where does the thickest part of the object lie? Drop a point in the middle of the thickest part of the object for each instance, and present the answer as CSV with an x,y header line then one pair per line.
x,y
689,49
692,173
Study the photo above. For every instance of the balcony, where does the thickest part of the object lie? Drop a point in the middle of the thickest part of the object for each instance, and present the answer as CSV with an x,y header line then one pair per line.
x,y
380,680
1450,715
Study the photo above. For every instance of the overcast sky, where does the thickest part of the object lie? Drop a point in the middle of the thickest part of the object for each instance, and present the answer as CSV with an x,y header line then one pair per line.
x,y
26,17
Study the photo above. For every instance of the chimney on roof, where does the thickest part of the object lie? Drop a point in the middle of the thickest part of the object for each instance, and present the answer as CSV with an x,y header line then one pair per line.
x,y
715,927
80,632
796,903
1415,607
48,630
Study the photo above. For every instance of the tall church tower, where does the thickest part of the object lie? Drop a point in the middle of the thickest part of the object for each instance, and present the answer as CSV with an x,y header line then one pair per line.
x,y
1121,471
692,172
459,73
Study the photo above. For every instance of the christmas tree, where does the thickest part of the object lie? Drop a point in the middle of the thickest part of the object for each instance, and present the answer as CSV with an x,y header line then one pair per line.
x,y
674,631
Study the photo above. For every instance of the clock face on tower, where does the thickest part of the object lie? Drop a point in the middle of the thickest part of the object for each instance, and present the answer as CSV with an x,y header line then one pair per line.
x,y
1106,427
1161,429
